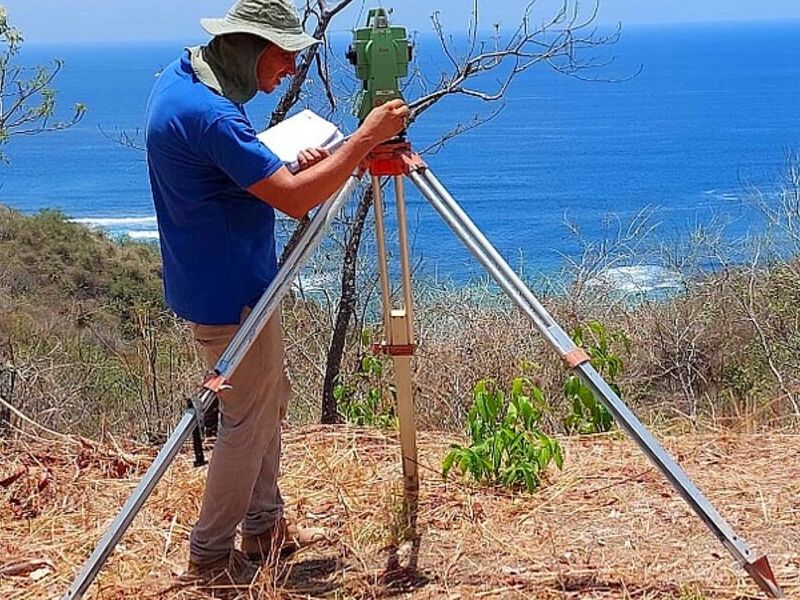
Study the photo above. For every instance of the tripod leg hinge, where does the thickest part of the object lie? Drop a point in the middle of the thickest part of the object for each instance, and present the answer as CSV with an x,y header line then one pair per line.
x,y
575,358
413,162
394,349
216,383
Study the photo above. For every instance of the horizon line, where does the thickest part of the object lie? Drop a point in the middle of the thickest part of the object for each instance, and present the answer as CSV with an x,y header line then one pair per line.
x,y
342,32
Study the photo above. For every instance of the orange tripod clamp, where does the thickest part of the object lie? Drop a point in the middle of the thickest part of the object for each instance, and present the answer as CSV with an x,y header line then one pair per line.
x,y
392,159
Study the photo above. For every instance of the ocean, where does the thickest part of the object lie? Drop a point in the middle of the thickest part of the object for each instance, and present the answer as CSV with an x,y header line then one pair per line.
x,y
713,111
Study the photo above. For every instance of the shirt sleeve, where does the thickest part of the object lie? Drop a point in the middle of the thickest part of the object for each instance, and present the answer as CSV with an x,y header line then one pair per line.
x,y
230,142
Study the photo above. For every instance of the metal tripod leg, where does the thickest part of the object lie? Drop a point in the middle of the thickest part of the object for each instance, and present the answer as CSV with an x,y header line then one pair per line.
x,y
399,340
224,368
758,568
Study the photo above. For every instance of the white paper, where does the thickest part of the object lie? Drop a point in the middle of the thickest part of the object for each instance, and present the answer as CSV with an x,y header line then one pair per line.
x,y
304,130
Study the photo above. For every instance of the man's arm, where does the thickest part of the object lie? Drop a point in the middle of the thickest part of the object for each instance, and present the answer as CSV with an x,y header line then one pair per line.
x,y
297,194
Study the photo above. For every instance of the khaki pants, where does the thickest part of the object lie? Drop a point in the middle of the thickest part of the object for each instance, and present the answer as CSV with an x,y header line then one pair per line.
x,y
242,481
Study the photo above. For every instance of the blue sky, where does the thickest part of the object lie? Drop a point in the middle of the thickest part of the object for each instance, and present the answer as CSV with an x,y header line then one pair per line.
x,y
114,20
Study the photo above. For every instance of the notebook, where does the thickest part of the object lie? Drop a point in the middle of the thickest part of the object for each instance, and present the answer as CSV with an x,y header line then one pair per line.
x,y
304,130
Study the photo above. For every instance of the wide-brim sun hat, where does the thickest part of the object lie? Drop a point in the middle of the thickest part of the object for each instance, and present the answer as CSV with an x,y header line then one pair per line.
x,y
274,20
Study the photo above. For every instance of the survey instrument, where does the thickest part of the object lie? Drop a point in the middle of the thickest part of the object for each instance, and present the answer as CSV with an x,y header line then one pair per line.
x,y
380,54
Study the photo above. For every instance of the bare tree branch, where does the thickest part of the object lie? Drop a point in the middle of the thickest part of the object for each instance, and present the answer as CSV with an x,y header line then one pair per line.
x,y
324,16
459,129
558,42
124,138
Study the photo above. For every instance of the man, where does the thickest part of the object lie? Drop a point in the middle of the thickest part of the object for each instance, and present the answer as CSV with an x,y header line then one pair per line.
x,y
215,188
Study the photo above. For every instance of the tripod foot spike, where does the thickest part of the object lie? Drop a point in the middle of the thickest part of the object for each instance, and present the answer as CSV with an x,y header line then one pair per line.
x,y
762,574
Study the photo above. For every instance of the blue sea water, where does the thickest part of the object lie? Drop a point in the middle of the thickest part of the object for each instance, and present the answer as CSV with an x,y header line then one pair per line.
x,y
714,108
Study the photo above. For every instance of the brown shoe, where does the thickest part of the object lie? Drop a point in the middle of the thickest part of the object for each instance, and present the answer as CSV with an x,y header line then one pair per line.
x,y
232,571
280,541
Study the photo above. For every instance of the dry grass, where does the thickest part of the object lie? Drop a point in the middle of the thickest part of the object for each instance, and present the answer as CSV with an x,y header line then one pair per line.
x,y
608,526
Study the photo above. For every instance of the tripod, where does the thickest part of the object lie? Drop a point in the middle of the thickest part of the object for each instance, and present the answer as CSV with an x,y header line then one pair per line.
x,y
398,161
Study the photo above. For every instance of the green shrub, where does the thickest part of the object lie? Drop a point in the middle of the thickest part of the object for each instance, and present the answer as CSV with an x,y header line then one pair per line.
x,y
507,447
587,414
84,327
56,263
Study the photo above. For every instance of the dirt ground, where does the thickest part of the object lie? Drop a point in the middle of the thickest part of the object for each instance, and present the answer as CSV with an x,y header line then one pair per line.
x,y
607,526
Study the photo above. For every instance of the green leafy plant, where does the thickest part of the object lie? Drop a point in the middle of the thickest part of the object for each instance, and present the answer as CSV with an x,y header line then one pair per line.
x,y
363,398
27,98
507,447
587,414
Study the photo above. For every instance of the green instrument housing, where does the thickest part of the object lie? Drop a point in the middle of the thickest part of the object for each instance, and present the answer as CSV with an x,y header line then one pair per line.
x,y
380,54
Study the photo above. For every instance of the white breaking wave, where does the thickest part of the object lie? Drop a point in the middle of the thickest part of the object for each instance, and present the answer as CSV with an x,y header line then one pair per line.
x,y
142,235
115,221
135,228
727,195
638,279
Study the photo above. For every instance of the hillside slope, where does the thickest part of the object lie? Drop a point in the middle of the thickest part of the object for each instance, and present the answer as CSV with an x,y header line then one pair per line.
x,y
608,526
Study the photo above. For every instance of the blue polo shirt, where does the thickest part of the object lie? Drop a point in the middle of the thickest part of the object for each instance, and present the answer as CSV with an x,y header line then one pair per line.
x,y
217,240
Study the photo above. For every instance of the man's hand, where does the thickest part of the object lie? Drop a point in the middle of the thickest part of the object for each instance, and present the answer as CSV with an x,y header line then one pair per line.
x,y
385,121
310,157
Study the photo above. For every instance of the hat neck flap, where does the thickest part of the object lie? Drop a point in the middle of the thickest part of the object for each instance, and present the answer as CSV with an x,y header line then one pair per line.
x,y
228,65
